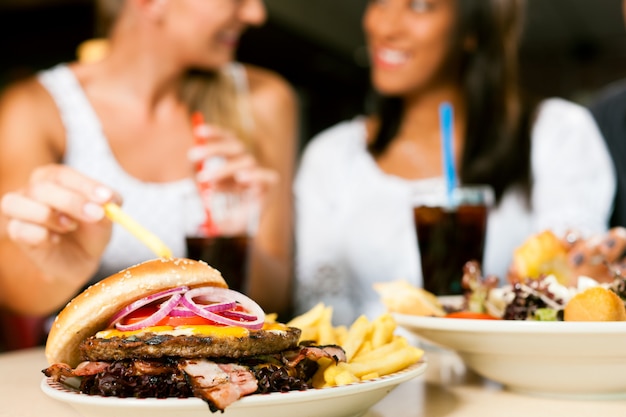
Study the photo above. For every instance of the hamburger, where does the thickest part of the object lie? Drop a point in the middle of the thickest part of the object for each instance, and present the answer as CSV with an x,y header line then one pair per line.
x,y
172,328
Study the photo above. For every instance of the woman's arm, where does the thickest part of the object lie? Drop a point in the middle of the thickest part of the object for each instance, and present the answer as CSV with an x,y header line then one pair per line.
x,y
275,136
573,177
52,230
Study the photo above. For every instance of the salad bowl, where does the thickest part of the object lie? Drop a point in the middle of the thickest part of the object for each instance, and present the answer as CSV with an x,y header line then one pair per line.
x,y
563,359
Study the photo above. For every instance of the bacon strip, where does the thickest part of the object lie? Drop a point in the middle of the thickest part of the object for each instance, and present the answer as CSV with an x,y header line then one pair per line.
x,y
218,384
90,368
314,353
59,371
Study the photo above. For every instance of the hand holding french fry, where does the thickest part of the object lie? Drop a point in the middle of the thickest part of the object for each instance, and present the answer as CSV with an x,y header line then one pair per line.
x,y
372,348
57,224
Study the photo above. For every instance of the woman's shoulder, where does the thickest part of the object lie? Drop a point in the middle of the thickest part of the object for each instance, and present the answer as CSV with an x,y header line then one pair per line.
x,y
30,124
557,115
343,138
565,129
28,92
27,101
265,84
273,104
555,110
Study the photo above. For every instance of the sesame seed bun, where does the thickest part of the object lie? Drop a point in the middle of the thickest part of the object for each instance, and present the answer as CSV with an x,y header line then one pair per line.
x,y
91,310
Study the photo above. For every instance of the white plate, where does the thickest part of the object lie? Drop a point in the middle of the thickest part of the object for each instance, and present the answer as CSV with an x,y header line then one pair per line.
x,y
344,401
579,359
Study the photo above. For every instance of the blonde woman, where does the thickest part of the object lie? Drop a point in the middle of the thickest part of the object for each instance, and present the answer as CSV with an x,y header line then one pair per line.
x,y
118,129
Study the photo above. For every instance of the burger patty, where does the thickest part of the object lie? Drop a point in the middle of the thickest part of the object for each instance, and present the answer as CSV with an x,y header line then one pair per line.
x,y
152,345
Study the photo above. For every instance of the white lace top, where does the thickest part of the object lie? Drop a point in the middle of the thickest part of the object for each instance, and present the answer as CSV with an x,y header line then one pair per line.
x,y
354,225
160,207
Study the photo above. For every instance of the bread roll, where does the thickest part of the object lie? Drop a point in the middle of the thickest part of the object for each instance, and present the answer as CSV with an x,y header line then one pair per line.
x,y
595,304
91,311
540,255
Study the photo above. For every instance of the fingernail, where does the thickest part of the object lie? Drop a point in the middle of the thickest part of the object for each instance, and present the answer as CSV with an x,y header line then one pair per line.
x,y
67,223
214,163
93,211
103,194
195,154
205,176
203,131
243,176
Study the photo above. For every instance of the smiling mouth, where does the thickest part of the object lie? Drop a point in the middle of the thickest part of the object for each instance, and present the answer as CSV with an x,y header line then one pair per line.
x,y
390,57
230,39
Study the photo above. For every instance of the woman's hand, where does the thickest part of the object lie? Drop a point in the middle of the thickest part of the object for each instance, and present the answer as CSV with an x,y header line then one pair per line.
x,y
58,220
227,164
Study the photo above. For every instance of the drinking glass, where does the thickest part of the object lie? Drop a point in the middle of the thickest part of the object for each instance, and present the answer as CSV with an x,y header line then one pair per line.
x,y
227,244
451,231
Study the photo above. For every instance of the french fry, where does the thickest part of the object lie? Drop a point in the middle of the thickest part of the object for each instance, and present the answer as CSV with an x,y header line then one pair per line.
x,y
384,327
345,377
331,372
341,332
365,347
308,319
318,379
372,348
394,362
116,214
373,375
326,332
386,349
308,323
356,334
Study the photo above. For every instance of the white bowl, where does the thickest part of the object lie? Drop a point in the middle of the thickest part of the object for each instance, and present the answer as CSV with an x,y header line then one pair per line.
x,y
569,359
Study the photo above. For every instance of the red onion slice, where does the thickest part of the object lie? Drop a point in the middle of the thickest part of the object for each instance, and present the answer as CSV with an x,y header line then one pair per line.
x,y
145,301
234,314
153,319
182,311
204,302
253,310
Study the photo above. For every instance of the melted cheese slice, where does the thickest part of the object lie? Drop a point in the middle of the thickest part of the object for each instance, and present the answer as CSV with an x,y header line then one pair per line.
x,y
190,330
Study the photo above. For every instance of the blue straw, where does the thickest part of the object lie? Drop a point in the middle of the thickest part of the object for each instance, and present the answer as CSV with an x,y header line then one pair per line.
x,y
446,119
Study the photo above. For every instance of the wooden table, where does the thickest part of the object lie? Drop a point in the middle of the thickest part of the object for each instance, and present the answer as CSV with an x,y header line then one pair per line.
x,y
447,389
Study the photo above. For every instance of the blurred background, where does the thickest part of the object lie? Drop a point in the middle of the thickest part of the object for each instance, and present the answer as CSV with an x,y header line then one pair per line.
x,y
570,49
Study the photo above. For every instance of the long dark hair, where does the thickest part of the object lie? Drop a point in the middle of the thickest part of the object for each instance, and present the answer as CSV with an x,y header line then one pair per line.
x,y
499,120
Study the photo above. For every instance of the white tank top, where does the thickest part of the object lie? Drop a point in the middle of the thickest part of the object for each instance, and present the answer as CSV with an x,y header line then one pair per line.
x,y
160,207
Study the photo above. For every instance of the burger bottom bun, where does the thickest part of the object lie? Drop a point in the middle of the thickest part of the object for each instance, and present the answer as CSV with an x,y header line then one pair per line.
x,y
595,304
92,310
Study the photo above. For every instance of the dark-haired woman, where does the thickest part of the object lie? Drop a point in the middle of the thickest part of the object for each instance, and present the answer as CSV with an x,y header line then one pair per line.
x,y
546,162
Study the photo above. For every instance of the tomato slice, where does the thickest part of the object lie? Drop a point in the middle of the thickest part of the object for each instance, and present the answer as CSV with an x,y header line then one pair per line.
x,y
470,315
144,312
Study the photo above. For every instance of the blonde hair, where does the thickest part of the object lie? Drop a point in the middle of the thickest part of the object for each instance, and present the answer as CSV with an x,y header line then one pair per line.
x,y
106,15
221,101
214,93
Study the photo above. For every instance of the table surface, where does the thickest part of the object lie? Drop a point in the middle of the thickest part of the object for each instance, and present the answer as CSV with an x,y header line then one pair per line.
x,y
446,389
